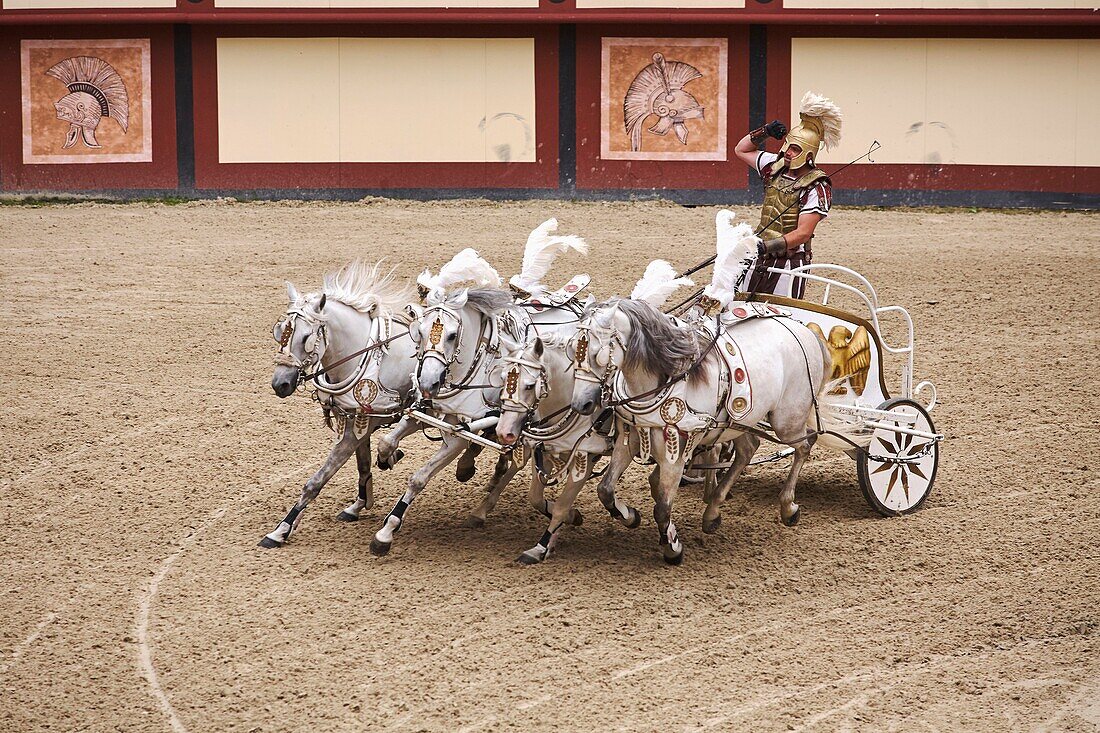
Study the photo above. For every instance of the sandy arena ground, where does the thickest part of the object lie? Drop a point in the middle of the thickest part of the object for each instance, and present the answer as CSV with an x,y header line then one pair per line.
x,y
145,455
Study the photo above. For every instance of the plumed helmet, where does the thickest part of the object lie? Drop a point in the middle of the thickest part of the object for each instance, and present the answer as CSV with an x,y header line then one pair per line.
x,y
819,125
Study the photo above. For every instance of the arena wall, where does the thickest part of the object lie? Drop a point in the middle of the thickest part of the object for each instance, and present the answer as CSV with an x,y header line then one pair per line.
x,y
975,102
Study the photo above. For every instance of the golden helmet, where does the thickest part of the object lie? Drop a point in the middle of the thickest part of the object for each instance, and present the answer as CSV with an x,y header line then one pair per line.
x,y
820,124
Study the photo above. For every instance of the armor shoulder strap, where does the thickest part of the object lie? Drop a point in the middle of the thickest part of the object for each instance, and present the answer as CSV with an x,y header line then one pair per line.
x,y
815,176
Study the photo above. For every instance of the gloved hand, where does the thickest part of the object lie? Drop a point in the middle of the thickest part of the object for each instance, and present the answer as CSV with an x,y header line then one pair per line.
x,y
774,247
776,129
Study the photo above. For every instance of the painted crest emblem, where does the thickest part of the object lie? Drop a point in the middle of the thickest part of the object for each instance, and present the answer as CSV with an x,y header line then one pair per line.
x,y
658,89
96,91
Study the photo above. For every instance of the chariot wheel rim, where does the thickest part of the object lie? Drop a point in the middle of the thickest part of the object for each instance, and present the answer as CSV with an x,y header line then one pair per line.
x,y
894,488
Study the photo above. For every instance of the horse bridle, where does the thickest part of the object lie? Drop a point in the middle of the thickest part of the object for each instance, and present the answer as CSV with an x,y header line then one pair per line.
x,y
314,345
508,400
582,352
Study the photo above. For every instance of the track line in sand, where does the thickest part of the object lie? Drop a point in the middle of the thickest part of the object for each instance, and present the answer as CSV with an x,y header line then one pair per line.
x,y
145,604
22,647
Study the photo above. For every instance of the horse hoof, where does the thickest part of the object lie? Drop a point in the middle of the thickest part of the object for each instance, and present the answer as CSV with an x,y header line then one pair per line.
x,y
793,519
473,522
578,518
346,517
675,559
711,526
637,519
465,474
526,559
269,544
390,462
378,548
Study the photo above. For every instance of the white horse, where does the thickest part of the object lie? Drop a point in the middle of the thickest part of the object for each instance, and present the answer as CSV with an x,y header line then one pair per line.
x,y
538,383
460,339
680,389
359,306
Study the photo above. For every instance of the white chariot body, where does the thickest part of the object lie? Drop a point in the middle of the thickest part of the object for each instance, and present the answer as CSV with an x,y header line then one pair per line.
x,y
897,448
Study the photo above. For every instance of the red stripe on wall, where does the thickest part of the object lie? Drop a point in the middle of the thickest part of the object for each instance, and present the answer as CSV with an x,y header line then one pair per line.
x,y
211,174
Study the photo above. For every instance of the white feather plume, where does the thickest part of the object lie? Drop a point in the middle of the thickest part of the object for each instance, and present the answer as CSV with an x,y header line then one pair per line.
x,y
658,282
467,268
736,251
542,249
825,111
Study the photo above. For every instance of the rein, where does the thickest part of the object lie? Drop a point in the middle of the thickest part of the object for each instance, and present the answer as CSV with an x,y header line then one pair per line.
x,y
322,372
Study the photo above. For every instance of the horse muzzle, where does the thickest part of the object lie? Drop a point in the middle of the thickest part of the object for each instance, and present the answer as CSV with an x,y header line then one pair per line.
x,y
285,382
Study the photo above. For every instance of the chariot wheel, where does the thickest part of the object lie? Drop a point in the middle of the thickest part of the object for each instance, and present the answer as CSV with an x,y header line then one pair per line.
x,y
893,487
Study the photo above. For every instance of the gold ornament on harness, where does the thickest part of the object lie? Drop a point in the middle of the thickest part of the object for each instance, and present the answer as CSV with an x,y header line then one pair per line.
x,y
288,331
436,334
739,404
512,383
673,410
709,305
370,387
582,350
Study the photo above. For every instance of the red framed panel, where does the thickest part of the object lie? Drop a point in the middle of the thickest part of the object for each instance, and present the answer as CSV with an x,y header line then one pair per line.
x,y
211,174
920,176
595,173
160,173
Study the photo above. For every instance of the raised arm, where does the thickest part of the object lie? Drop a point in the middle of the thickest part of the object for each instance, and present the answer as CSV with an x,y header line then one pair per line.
x,y
746,146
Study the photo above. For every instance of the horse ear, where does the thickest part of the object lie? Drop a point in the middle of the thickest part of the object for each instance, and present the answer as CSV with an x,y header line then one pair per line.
x,y
538,348
459,299
321,305
292,292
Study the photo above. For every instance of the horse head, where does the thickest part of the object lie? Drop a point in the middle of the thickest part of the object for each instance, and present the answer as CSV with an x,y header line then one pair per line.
x,y
524,382
302,338
595,350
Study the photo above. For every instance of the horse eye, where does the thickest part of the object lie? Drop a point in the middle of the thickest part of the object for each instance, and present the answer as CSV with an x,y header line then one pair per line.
x,y
451,336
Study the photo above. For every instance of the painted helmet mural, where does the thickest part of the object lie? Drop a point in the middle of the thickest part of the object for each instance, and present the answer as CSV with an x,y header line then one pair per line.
x,y
658,89
95,91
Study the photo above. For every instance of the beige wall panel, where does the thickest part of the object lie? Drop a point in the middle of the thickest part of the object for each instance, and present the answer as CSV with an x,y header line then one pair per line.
x,y
84,4
437,99
278,100
879,85
960,101
1088,103
997,99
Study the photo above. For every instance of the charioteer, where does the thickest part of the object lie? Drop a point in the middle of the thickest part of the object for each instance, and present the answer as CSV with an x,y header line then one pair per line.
x,y
797,193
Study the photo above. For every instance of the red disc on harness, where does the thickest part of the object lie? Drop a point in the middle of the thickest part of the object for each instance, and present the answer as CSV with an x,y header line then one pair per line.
x,y
570,288
773,309
739,375
740,312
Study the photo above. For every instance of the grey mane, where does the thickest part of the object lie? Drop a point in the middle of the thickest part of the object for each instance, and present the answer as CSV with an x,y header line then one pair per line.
x,y
489,301
656,344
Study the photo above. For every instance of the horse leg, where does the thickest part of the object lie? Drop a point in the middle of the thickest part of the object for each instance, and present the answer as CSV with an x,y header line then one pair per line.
x,y
503,473
624,449
365,499
388,454
339,455
746,445
789,512
664,494
450,449
467,465
560,515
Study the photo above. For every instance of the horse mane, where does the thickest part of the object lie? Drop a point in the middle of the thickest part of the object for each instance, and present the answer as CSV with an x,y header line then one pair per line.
x,y
367,288
489,301
656,344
